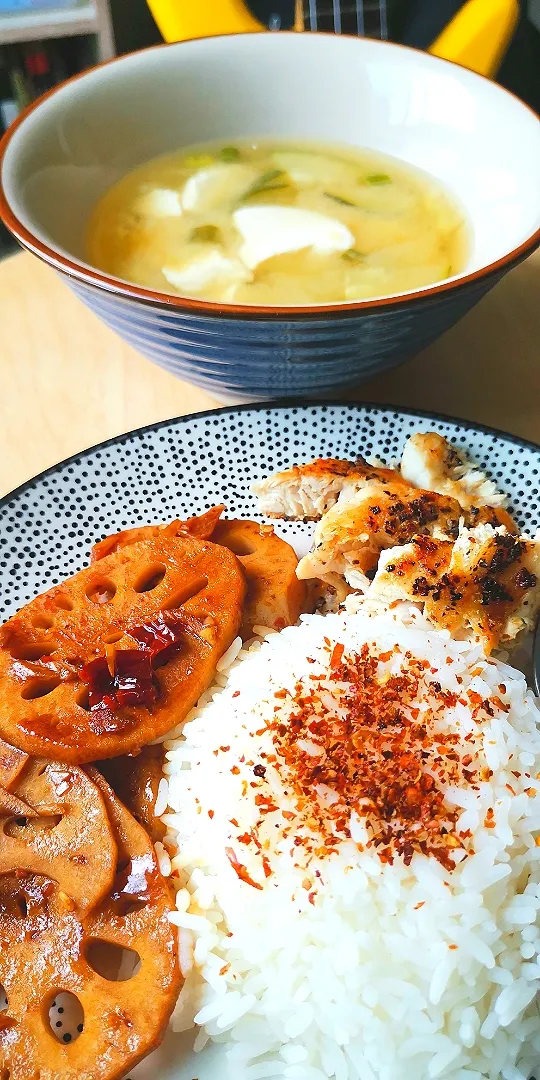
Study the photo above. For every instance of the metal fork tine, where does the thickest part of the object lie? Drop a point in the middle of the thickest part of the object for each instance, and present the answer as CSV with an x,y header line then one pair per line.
x,y
360,17
383,19
337,17
536,660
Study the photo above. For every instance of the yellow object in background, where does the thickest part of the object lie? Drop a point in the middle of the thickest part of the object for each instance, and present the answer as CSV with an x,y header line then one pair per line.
x,y
477,37
178,20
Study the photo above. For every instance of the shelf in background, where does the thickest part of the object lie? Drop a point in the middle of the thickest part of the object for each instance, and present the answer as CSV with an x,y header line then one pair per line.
x,y
42,25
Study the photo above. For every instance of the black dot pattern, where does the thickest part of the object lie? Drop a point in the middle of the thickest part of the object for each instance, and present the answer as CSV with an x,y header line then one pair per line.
x,y
183,466
66,1017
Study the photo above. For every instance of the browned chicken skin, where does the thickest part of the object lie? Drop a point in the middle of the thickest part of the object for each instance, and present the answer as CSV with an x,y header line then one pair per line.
x,y
307,492
436,532
351,536
485,583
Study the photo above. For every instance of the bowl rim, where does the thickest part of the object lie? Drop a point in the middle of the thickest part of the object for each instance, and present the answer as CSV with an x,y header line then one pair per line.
x,y
103,282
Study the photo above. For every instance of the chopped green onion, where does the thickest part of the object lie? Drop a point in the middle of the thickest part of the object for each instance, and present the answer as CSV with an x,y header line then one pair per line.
x,y
353,255
205,234
272,180
229,153
339,199
379,178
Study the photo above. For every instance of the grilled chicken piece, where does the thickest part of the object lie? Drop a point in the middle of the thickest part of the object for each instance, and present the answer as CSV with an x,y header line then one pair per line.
x,y
430,461
491,587
491,515
411,571
487,582
351,536
307,492
363,509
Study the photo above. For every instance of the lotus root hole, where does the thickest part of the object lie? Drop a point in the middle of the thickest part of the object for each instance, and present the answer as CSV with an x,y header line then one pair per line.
x,y
239,546
34,651
42,622
63,602
150,577
101,591
3,999
37,688
128,906
83,700
181,596
17,827
66,1017
111,961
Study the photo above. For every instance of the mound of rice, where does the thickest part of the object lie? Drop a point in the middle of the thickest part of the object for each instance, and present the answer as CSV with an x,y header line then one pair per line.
x,y
313,963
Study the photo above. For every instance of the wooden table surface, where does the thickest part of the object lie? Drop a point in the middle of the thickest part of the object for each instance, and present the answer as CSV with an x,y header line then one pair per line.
x,y
67,382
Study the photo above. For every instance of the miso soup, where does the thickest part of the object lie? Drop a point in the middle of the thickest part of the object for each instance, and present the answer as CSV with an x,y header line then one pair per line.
x,y
277,224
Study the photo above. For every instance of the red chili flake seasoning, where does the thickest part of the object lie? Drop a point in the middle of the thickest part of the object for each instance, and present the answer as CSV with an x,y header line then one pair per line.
x,y
131,682
383,758
337,654
125,677
240,870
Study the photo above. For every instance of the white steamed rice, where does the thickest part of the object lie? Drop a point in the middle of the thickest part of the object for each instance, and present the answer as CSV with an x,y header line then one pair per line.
x,y
392,972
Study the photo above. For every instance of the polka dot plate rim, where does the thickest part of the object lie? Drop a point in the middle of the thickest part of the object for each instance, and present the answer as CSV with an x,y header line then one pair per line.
x,y
183,465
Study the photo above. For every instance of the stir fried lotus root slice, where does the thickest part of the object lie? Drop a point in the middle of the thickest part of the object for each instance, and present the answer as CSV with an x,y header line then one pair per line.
x,y
201,526
12,807
116,656
48,947
275,596
12,763
135,780
64,832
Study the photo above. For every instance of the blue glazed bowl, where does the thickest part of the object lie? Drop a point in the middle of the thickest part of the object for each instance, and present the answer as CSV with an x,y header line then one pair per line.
x,y
67,149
